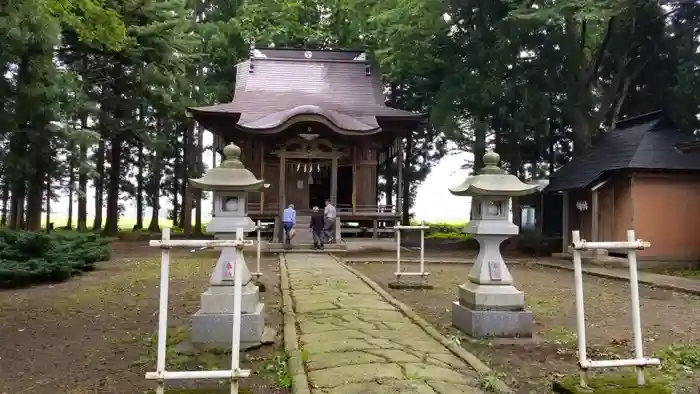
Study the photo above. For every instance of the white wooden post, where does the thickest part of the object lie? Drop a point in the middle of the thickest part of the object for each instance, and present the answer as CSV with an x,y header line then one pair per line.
x,y
636,318
237,294
235,373
422,250
580,311
398,253
639,361
258,273
422,272
163,310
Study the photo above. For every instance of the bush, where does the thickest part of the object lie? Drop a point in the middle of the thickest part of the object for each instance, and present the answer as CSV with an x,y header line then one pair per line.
x,y
29,257
536,244
446,231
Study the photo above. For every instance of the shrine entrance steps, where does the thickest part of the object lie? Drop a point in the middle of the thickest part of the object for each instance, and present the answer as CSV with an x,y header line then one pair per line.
x,y
352,340
306,248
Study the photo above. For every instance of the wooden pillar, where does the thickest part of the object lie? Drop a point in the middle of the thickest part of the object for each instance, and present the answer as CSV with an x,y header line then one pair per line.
x,y
334,181
282,185
399,182
565,231
354,178
595,218
262,175
279,233
539,215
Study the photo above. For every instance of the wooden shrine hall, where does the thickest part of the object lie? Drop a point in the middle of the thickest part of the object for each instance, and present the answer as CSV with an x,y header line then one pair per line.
x,y
314,125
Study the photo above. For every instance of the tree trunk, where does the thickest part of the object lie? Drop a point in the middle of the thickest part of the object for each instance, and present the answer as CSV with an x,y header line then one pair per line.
x,y
479,144
5,201
35,196
112,219
82,187
139,191
71,188
99,186
187,169
48,206
177,173
17,206
581,127
154,226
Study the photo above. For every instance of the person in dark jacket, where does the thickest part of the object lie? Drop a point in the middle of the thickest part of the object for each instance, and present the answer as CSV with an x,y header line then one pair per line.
x,y
317,224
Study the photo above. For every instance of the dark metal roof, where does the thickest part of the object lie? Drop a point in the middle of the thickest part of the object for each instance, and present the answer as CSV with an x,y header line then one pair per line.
x,y
645,142
275,85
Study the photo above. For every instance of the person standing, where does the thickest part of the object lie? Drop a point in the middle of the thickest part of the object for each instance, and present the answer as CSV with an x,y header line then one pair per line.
x,y
289,220
329,221
317,227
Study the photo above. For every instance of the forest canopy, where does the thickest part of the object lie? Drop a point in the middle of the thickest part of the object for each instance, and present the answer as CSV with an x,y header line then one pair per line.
x,y
95,91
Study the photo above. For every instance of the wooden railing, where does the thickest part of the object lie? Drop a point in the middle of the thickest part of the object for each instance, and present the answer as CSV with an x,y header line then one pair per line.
x,y
367,210
341,209
254,208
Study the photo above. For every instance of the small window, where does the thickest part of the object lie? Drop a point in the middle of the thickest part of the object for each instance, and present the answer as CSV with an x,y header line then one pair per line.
x,y
527,217
230,204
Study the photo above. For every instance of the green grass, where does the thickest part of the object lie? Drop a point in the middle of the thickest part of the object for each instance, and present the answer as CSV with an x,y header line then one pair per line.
x,y
612,384
679,364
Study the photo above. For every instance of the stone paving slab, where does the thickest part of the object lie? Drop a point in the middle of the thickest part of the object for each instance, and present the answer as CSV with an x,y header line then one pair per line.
x,y
353,341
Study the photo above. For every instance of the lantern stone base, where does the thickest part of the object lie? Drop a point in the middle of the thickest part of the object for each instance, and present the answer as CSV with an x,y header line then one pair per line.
x,y
213,330
498,324
219,299
491,297
491,311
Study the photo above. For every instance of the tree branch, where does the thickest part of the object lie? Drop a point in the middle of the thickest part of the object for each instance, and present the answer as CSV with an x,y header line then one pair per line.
x,y
593,73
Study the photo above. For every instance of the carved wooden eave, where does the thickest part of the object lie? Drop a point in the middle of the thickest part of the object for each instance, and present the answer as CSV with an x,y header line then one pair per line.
x,y
298,148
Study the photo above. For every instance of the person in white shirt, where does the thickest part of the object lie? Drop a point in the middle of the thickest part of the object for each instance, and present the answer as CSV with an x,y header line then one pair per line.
x,y
329,221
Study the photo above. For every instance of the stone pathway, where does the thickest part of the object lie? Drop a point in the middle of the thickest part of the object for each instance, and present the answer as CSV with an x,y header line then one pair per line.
x,y
354,342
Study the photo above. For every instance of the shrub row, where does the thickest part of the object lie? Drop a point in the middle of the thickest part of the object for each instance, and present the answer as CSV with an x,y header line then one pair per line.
x,y
31,257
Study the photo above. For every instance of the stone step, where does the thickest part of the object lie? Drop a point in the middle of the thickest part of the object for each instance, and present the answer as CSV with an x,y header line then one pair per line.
x,y
307,248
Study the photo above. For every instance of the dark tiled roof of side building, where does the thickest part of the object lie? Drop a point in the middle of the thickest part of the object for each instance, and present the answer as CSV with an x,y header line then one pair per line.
x,y
274,84
645,142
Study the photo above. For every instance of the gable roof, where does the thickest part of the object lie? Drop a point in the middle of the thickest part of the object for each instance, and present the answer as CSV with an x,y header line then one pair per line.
x,y
645,142
273,86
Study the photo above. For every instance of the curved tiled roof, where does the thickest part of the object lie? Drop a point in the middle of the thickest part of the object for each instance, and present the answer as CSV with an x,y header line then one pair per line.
x,y
275,86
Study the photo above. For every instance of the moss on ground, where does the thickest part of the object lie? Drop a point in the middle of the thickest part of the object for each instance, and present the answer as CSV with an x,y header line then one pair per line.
x,y
612,384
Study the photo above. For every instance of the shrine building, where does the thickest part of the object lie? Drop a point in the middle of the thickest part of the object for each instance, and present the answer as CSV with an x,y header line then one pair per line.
x,y
314,125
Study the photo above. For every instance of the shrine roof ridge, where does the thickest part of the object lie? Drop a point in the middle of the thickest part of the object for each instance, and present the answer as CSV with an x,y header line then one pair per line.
x,y
309,54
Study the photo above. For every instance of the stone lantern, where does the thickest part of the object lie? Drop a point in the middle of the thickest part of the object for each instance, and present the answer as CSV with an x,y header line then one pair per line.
x,y
489,304
212,324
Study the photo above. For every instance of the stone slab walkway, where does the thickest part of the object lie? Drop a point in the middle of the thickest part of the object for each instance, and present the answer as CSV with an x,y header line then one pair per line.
x,y
352,341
